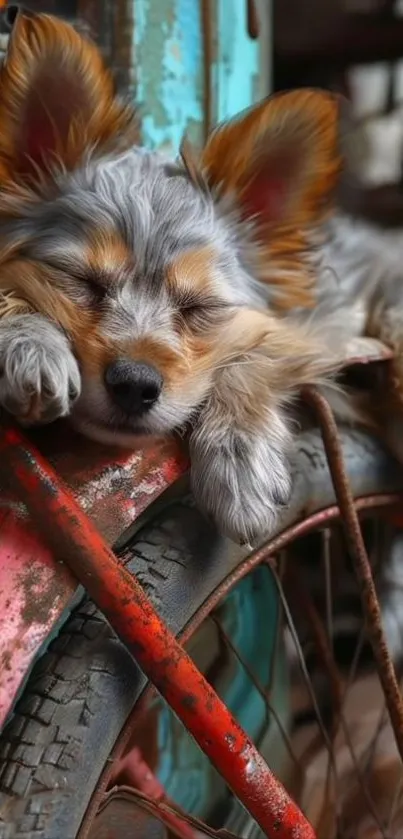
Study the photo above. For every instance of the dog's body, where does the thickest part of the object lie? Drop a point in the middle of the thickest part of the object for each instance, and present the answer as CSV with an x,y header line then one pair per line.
x,y
140,296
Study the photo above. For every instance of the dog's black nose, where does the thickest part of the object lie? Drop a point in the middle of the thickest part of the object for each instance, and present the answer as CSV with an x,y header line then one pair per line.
x,y
133,385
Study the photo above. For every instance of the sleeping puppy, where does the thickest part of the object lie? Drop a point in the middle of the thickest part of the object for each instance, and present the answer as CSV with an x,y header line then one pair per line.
x,y
141,296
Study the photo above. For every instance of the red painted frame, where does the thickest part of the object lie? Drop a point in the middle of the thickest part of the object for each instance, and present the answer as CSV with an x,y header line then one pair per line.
x,y
113,488
73,522
69,533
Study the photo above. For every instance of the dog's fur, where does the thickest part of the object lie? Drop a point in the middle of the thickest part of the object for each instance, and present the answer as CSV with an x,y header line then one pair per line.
x,y
229,274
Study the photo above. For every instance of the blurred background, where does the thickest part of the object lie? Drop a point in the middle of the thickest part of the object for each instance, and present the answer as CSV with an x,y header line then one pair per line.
x,y
192,63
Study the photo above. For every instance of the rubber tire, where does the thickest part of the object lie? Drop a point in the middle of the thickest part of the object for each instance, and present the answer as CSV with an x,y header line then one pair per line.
x,y
83,688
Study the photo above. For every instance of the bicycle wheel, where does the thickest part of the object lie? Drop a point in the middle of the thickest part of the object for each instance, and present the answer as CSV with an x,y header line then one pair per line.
x,y
80,705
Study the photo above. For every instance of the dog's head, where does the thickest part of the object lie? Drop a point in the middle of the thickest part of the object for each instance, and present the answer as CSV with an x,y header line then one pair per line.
x,y
143,262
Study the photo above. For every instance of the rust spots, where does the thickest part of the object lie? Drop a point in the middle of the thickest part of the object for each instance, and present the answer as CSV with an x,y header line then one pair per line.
x,y
190,702
6,660
230,739
41,592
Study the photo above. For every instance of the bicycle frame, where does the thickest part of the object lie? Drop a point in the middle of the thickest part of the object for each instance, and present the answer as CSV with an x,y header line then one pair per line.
x,y
78,511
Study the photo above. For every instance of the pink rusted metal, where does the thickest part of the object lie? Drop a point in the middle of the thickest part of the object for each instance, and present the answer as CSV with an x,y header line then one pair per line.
x,y
355,541
33,594
71,535
114,487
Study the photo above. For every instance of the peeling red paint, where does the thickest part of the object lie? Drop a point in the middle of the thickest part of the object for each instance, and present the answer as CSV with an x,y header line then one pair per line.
x,y
114,488
68,531
34,590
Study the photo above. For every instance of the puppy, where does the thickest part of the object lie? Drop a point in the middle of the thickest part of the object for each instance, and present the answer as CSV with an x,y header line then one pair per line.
x,y
141,296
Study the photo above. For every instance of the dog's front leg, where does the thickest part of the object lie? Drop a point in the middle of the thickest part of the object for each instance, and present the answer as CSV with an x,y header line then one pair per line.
x,y
241,444
39,376
240,462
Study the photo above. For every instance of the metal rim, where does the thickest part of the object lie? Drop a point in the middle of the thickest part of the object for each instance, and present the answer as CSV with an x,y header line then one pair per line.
x,y
370,504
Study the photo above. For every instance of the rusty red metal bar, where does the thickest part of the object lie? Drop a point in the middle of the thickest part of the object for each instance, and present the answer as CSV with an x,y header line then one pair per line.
x,y
355,541
74,539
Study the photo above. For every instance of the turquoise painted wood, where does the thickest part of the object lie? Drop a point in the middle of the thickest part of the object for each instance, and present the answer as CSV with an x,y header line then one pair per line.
x,y
236,70
169,70
168,49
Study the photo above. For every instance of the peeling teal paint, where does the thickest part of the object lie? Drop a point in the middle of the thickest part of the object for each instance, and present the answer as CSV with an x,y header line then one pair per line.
x,y
168,56
236,68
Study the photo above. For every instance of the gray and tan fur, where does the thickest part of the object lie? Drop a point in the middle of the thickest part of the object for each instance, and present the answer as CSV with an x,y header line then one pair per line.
x,y
138,298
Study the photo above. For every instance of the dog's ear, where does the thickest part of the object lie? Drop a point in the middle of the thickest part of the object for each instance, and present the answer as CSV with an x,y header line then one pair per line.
x,y
279,159
279,162
57,100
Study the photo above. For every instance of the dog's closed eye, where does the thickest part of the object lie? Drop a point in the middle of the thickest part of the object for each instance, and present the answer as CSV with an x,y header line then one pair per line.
x,y
199,312
95,286
85,286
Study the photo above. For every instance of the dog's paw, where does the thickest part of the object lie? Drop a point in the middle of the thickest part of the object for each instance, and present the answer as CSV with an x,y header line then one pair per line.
x,y
242,481
39,376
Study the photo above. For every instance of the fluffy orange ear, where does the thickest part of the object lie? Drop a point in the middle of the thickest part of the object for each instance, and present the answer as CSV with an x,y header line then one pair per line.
x,y
57,100
280,161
